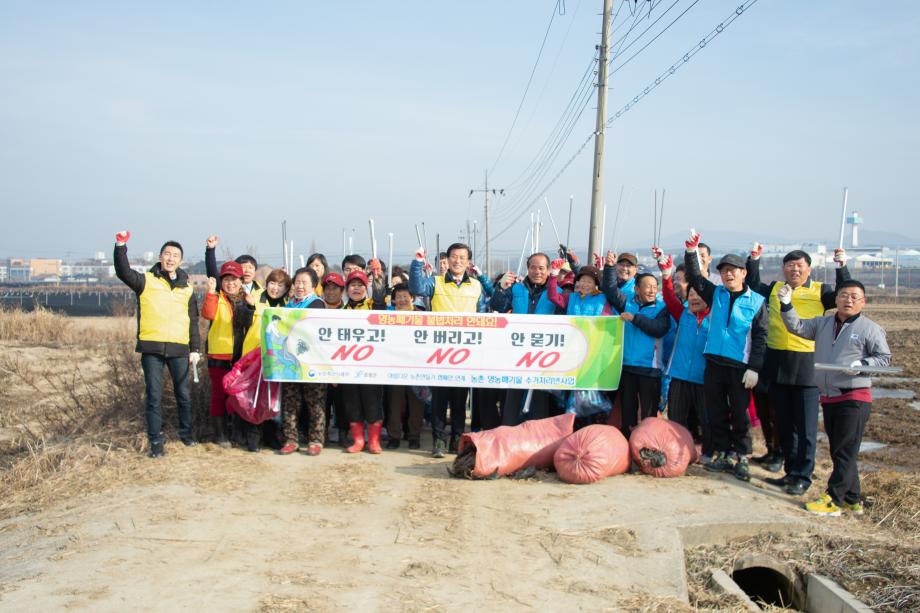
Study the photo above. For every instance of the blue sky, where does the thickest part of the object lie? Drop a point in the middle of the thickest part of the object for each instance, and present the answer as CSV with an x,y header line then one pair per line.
x,y
178,120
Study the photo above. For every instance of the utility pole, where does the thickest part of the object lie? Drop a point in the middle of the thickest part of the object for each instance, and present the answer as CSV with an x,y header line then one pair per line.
x,y
488,214
595,240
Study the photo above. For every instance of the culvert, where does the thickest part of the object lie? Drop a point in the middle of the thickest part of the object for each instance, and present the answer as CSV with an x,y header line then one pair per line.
x,y
768,581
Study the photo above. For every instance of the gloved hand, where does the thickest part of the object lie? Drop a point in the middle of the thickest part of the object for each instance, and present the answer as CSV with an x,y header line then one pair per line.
x,y
193,359
555,267
475,271
121,237
841,257
750,379
427,268
665,262
598,263
507,280
609,260
571,257
854,364
757,251
784,294
562,250
212,241
693,241
421,255
375,267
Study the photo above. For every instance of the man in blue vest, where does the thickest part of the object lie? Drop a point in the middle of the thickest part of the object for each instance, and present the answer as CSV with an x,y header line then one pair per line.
x,y
167,334
734,355
526,297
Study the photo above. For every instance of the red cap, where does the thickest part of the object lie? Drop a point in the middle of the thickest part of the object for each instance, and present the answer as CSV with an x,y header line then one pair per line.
x,y
357,274
334,278
233,269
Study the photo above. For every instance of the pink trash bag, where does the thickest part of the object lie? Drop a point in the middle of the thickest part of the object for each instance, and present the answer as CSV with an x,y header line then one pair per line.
x,y
507,449
591,454
253,399
662,448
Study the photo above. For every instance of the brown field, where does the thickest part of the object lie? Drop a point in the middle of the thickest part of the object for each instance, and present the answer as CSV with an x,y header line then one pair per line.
x,y
88,522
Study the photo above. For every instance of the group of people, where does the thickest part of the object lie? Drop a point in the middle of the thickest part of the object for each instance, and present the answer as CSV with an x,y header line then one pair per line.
x,y
700,348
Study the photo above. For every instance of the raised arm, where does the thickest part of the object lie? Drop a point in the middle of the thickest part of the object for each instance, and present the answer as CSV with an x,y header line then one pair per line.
x,y
829,294
615,297
553,294
419,284
210,258
703,286
503,296
123,271
753,272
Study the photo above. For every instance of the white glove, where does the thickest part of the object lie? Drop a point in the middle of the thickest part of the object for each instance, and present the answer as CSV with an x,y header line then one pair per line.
x,y
193,359
750,379
784,294
841,257
693,241
854,364
421,254
756,251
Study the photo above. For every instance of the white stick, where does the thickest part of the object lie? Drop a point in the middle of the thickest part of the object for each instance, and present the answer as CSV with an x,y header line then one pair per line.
x,y
843,218
291,256
536,240
344,244
603,228
552,221
527,400
568,233
370,222
520,267
303,262
418,235
531,232
351,244
390,256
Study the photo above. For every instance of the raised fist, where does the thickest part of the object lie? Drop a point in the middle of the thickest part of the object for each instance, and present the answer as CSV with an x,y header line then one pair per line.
x,y
756,251
657,252
610,260
571,257
421,255
212,285
693,241
212,241
784,294
556,266
507,280
841,257
122,236
375,268
665,262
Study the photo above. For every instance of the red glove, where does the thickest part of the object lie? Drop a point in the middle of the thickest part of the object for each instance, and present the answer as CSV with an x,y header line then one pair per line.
x,y
657,252
694,241
665,262
376,268
428,268
122,236
757,251
421,254
557,264
598,262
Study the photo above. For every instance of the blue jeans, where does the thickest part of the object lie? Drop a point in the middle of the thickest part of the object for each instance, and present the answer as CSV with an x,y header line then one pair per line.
x,y
152,365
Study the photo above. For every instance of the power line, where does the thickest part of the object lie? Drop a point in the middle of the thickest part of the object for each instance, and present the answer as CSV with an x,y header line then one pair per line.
x,y
628,60
527,88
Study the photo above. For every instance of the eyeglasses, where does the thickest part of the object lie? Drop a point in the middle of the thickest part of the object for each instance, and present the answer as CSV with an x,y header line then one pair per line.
x,y
853,297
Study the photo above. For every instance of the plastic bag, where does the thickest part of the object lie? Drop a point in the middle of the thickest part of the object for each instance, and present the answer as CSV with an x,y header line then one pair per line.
x,y
591,454
587,402
253,399
507,449
662,448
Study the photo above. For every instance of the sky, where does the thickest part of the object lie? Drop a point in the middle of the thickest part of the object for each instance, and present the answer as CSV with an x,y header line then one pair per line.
x,y
177,120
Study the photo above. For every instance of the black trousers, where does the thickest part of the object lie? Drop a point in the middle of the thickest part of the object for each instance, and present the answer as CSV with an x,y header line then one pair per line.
x,y
795,408
542,405
362,402
767,416
637,392
488,403
726,403
844,423
441,397
686,405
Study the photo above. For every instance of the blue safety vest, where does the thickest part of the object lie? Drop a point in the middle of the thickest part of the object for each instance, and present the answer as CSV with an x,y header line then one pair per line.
x,y
589,305
520,301
640,349
730,332
687,361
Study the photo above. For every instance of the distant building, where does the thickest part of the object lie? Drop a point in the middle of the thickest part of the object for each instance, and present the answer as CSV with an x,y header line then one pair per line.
x,y
40,268
4,273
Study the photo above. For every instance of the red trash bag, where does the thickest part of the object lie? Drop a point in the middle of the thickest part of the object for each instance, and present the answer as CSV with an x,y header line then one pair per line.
x,y
253,399
662,448
507,449
591,454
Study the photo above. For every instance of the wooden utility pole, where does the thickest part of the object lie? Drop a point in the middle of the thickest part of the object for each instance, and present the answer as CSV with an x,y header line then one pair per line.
x,y
488,214
595,240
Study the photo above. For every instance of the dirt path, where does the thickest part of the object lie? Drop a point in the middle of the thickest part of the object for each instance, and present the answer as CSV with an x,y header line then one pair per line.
x,y
223,530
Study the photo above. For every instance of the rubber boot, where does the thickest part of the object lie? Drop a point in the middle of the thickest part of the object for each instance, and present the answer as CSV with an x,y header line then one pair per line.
x,y
220,431
357,434
373,436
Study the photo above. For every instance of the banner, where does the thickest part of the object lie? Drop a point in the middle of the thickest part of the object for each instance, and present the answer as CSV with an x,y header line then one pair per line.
x,y
442,349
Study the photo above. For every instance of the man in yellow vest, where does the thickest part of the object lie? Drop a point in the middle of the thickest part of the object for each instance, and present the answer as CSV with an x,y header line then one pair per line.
x,y
453,292
167,334
789,363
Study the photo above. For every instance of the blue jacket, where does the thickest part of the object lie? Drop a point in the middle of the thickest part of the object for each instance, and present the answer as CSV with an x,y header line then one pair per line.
x,y
687,362
524,298
730,330
588,306
643,337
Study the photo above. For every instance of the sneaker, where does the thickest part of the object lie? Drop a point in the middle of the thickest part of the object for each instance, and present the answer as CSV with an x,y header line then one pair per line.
x,y
454,443
440,448
415,444
797,488
288,449
719,463
855,508
393,443
823,506
314,449
189,442
156,450
741,470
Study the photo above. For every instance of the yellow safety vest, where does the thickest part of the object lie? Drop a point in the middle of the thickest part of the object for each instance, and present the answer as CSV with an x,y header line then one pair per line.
x,y
253,337
365,305
220,336
163,311
453,298
807,303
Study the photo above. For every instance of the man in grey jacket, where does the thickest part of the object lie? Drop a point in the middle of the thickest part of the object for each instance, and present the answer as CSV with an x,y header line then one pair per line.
x,y
853,341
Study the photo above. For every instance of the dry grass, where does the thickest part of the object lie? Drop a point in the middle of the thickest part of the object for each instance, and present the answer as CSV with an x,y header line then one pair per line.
x,y
882,572
46,328
891,502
